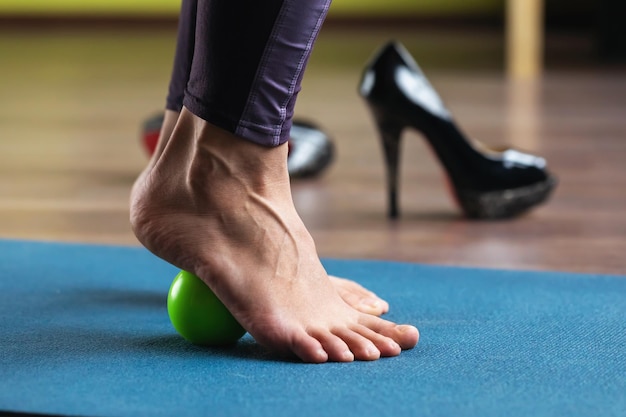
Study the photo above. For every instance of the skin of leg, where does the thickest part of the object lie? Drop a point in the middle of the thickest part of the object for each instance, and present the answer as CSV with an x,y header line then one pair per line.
x,y
221,207
353,293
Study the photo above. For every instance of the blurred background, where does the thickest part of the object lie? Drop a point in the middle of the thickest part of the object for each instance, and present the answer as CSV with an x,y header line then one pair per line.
x,y
79,78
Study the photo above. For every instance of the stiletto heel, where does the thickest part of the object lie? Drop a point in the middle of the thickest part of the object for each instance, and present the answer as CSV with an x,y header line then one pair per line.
x,y
390,134
487,184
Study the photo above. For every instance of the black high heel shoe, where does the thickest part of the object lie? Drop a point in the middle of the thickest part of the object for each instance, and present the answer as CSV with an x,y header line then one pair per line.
x,y
311,150
487,184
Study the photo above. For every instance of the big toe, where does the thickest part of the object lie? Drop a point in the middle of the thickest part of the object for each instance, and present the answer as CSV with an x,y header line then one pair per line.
x,y
404,335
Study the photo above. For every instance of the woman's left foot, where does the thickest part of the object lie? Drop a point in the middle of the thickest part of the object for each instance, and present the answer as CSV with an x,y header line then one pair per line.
x,y
220,207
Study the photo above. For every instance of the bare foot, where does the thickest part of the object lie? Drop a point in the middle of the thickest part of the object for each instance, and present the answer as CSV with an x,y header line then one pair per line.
x,y
352,293
221,207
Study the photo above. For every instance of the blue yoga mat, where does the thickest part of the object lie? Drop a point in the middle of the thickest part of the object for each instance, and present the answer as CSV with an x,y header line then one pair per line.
x,y
84,331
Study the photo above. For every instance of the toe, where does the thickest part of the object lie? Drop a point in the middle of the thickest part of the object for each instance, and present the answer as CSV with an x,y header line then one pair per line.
x,y
308,349
385,345
404,335
371,305
365,303
336,348
362,348
359,297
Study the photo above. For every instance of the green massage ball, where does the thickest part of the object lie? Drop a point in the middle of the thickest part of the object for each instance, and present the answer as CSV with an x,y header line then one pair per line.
x,y
198,315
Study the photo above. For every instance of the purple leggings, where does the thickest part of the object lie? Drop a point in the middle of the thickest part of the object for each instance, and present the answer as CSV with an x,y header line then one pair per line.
x,y
239,63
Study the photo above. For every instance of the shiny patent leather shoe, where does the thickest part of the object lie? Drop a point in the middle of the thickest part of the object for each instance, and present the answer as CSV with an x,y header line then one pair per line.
x,y
487,184
311,150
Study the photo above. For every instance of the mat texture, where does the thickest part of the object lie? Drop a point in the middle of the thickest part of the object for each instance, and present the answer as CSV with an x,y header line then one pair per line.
x,y
84,331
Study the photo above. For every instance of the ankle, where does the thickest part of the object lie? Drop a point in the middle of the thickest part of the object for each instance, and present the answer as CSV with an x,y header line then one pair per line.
x,y
205,165
170,118
224,156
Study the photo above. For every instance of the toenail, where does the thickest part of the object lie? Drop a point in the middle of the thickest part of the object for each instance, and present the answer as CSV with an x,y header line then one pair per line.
x,y
322,355
372,351
372,302
404,329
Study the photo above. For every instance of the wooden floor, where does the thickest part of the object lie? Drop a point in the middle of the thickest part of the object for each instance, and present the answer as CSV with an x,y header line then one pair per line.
x,y
71,104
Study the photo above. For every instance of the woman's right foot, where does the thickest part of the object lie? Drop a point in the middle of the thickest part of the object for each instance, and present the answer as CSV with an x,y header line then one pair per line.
x,y
220,207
